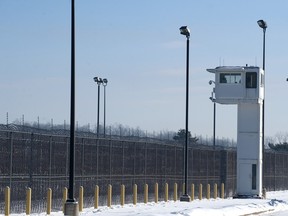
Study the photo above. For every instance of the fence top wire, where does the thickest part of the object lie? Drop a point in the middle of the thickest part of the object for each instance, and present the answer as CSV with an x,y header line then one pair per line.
x,y
58,131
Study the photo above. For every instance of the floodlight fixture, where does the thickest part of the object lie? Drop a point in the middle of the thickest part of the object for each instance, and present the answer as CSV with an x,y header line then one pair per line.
x,y
185,31
105,81
98,80
262,24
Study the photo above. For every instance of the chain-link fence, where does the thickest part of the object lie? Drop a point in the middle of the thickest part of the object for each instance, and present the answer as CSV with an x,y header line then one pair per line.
x,y
41,161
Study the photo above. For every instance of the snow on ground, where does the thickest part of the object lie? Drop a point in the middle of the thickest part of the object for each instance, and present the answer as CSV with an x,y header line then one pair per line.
x,y
275,202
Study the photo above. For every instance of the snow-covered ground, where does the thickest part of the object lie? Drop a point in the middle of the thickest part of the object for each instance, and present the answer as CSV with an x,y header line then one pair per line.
x,y
275,204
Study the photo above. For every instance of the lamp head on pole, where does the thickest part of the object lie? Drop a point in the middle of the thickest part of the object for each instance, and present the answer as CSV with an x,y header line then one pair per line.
x,y
185,31
262,24
105,81
98,80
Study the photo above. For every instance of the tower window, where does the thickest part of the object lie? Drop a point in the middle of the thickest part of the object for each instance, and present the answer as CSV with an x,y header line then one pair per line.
x,y
254,171
230,78
251,80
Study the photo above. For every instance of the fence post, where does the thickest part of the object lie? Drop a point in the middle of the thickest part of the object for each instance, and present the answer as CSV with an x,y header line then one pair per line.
x,y
200,192
65,191
146,193
7,201
28,201
135,194
215,191
166,192
192,192
156,192
222,191
175,192
109,196
81,194
96,197
264,193
49,201
122,196
11,159
208,191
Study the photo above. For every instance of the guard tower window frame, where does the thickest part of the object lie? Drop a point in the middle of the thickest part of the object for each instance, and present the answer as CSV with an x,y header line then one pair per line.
x,y
230,78
254,176
251,79
262,79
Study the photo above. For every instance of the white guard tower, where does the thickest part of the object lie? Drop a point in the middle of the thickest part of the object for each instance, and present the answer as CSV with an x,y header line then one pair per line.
x,y
244,86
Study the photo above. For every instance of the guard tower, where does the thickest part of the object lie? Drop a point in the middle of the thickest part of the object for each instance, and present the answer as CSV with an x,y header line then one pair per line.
x,y
244,86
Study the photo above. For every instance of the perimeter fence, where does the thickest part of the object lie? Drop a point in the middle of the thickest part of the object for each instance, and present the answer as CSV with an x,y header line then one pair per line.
x,y
41,161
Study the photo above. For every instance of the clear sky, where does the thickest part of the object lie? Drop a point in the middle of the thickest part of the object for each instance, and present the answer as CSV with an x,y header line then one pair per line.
x,y
137,46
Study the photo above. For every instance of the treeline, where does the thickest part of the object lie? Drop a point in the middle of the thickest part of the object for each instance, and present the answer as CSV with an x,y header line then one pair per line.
x,y
117,131
279,142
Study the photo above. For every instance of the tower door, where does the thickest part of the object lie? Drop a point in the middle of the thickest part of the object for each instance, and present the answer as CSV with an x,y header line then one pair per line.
x,y
247,178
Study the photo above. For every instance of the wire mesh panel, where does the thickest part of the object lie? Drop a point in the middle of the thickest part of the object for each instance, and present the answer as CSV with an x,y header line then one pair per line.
x,y
41,161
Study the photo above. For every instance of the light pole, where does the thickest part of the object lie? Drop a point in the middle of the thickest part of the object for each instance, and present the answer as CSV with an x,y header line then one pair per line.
x,y
262,24
105,81
185,197
214,114
71,206
99,81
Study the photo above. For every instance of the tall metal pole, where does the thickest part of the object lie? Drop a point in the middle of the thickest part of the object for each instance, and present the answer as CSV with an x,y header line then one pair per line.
x,y
104,110
213,100
98,109
185,197
72,107
214,125
187,108
263,110
264,42
71,206
262,24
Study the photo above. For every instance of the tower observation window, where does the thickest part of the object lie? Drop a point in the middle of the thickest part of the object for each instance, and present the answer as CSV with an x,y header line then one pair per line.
x,y
230,78
251,80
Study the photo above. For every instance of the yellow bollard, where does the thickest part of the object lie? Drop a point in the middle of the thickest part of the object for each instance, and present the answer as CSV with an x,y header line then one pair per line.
x,y
122,195
175,196
49,201
192,192
109,196
166,192
28,201
208,191
146,193
156,192
215,191
81,194
200,192
65,191
183,188
222,191
7,201
135,194
96,197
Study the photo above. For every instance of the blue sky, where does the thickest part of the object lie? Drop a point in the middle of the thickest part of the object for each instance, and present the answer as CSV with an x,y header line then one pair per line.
x,y
137,46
